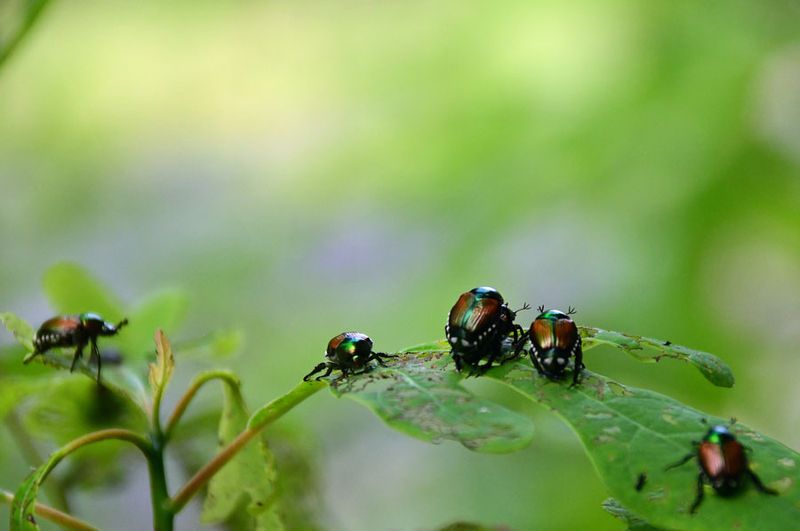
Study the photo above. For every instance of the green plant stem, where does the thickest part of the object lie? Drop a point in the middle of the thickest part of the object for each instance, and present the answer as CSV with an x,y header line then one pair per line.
x,y
201,379
153,452
260,420
163,516
54,515
34,10
103,435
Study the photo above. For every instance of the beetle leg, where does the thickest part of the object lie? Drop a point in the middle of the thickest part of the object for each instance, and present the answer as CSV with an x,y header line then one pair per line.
x,y
535,361
457,359
380,356
96,354
685,459
36,352
519,341
760,486
316,370
330,366
481,369
699,499
78,355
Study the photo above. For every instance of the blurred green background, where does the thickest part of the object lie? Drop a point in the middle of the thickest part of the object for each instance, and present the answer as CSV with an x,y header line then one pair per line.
x,y
306,168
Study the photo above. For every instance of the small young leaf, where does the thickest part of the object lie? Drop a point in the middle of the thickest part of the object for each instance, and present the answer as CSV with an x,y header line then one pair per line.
x,y
714,369
72,290
161,371
628,431
247,480
416,395
23,332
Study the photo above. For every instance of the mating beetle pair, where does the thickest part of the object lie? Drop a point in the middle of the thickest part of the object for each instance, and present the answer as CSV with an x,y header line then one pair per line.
x,y
480,322
74,331
723,464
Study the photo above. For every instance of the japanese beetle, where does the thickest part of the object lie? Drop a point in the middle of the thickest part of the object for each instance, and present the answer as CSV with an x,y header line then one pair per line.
x,y
476,327
74,331
723,464
554,340
350,352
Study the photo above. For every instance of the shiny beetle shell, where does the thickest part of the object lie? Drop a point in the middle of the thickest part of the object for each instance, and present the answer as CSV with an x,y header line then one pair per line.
x,y
350,349
477,325
555,340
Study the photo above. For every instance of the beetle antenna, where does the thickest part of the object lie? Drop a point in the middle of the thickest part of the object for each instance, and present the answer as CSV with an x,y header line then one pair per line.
x,y
525,306
541,308
732,422
122,323
571,311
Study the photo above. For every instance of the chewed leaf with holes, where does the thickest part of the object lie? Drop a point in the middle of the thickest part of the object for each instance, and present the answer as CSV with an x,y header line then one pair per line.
x,y
633,522
713,369
628,431
419,394
246,484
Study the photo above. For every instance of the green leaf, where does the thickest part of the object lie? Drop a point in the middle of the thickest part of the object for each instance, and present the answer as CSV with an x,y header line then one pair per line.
x,y
634,523
628,431
247,480
24,504
712,368
419,396
72,290
163,310
300,499
23,332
